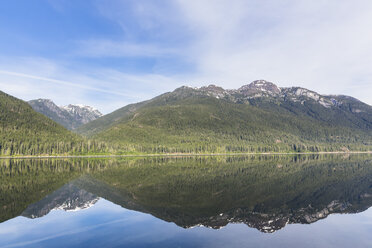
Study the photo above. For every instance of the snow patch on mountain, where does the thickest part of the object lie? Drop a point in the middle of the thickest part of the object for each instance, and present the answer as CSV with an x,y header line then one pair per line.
x,y
70,116
265,89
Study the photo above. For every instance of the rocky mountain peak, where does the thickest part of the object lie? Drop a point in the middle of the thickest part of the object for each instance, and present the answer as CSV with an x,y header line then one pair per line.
x,y
45,102
259,87
213,90
70,116
82,112
80,108
46,106
262,90
298,94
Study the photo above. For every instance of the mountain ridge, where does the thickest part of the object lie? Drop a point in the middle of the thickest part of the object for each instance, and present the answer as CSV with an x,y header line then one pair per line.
x,y
263,88
70,116
258,117
259,114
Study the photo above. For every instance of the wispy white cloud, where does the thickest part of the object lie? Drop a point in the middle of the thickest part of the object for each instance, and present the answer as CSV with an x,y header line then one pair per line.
x,y
324,45
104,88
321,45
61,82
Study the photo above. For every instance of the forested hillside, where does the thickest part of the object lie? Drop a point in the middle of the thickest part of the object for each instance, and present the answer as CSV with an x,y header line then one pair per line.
x,y
26,132
259,117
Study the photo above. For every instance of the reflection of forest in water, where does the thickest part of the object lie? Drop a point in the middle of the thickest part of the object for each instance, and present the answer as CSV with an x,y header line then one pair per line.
x,y
265,192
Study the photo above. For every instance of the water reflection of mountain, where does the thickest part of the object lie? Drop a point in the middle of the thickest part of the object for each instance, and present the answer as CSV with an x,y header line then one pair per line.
x,y
68,198
269,221
26,181
264,193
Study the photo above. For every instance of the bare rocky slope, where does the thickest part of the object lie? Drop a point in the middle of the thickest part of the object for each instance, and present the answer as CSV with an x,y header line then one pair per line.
x,y
70,116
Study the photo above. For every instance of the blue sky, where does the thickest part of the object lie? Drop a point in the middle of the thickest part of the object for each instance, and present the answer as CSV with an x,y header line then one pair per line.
x,y
111,53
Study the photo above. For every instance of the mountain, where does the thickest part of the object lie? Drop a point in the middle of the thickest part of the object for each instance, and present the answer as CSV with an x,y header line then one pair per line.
x,y
82,114
257,117
70,116
26,132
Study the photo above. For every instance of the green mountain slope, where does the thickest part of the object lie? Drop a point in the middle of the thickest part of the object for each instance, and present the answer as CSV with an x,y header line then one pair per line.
x,y
108,120
255,118
23,131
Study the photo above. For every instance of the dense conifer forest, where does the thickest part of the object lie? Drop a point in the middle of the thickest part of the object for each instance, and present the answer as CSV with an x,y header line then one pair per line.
x,y
26,132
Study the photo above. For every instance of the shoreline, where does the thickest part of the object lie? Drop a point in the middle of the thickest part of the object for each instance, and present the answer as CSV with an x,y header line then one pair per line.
x,y
179,155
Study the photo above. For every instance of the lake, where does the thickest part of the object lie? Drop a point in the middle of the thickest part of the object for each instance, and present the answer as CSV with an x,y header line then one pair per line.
x,y
219,201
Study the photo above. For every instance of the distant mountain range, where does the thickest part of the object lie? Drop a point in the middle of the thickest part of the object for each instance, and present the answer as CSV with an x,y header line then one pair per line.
x,y
254,118
70,116
258,117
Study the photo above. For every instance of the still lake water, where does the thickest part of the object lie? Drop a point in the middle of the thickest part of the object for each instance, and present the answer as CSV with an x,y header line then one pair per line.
x,y
256,201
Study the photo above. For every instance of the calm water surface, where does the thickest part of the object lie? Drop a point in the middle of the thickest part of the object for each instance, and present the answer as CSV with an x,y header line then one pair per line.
x,y
258,201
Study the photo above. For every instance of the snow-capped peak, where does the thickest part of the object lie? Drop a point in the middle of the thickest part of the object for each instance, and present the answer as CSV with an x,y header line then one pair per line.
x,y
72,107
79,108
